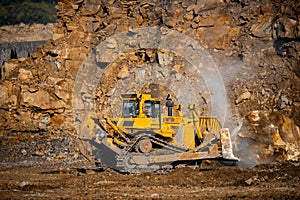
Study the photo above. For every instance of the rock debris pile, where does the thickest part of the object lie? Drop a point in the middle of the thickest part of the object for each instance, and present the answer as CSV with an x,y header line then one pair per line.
x,y
255,45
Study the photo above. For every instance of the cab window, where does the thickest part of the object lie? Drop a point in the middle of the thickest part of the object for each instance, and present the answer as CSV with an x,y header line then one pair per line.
x,y
129,108
151,109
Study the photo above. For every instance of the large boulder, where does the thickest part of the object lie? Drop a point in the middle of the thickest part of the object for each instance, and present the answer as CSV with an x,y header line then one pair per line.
x,y
266,136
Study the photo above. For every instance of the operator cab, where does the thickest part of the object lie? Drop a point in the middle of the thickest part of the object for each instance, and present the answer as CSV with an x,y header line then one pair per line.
x,y
140,105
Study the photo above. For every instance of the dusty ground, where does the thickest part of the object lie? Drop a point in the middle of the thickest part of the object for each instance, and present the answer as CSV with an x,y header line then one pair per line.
x,y
38,173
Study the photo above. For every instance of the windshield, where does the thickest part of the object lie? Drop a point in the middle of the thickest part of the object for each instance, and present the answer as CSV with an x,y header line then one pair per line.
x,y
129,108
152,109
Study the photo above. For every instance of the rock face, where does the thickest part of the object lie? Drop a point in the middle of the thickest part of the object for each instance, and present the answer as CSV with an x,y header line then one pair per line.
x,y
266,136
254,44
25,33
18,50
20,41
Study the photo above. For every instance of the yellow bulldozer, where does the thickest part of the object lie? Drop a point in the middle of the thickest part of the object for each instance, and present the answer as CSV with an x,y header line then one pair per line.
x,y
143,139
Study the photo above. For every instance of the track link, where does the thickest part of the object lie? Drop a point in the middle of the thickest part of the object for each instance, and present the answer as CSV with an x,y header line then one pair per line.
x,y
125,162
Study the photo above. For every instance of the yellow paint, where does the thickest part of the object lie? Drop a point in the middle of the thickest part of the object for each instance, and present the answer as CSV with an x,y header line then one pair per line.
x,y
165,126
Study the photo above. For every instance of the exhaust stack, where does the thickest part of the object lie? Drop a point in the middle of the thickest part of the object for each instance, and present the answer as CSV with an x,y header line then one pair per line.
x,y
169,104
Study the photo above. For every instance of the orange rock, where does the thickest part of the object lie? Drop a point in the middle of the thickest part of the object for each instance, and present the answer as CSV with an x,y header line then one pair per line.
x,y
140,20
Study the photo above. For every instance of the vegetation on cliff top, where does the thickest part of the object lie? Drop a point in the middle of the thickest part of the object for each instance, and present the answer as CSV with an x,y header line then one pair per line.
x,y
27,11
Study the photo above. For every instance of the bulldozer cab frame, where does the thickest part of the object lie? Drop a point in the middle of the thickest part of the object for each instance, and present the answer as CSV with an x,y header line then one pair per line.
x,y
140,105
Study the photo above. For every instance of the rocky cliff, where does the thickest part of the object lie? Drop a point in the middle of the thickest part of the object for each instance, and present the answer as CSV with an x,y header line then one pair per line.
x,y
25,33
253,44
20,41
18,50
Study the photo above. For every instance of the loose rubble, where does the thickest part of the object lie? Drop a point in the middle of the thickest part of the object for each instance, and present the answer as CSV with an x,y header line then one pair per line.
x,y
36,92
268,136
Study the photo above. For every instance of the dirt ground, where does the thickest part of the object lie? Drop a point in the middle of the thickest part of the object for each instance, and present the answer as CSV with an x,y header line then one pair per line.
x,y
37,173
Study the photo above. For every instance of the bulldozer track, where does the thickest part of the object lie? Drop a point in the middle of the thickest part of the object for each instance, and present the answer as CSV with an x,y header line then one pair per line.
x,y
124,165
